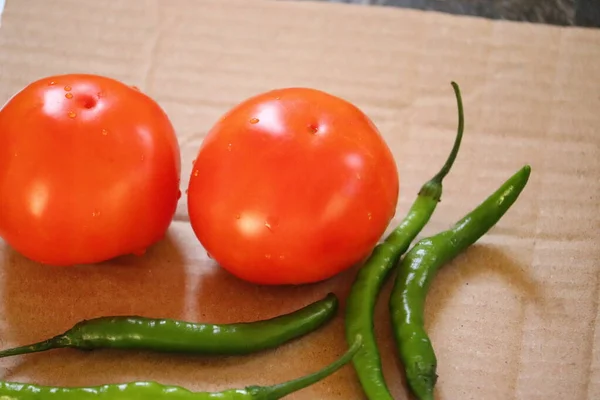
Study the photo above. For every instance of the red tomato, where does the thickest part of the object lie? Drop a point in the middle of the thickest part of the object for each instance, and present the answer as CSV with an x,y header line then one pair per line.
x,y
89,170
292,186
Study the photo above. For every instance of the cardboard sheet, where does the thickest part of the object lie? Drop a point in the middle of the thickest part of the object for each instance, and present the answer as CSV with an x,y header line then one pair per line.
x,y
514,317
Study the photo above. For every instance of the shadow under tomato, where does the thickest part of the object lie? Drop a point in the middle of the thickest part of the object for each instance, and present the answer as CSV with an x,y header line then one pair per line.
x,y
224,298
40,301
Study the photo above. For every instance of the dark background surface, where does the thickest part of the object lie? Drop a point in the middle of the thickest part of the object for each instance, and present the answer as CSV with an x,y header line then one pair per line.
x,y
584,13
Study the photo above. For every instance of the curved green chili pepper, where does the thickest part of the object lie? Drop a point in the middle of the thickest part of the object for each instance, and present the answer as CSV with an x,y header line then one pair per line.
x,y
371,277
417,270
155,391
167,335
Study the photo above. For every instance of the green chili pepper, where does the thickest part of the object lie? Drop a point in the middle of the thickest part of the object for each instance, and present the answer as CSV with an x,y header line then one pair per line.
x,y
417,270
167,335
371,277
155,391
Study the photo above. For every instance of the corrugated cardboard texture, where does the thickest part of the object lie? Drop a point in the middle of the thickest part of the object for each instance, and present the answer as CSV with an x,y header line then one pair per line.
x,y
514,317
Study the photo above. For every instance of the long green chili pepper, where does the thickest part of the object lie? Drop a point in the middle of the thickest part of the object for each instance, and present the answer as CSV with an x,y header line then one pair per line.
x,y
371,277
167,335
156,391
417,270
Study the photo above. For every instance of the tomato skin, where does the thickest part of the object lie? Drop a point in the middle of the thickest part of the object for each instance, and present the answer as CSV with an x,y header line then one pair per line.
x,y
292,186
89,170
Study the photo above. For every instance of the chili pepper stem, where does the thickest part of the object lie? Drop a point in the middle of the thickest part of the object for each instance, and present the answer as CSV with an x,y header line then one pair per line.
x,y
461,126
283,389
431,190
56,342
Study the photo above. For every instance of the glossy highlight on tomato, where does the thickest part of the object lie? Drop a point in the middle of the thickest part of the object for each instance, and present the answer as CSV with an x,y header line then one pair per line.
x,y
89,170
292,186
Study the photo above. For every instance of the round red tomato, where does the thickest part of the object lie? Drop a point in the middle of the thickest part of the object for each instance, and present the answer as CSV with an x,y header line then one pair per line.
x,y
89,170
292,186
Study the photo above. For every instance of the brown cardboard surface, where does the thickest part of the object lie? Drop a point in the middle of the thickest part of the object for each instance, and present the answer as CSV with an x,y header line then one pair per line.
x,y
514,317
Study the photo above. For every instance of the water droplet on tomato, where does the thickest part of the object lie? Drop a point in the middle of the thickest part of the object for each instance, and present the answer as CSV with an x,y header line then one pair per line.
x,y
95,213
281,257
358,177
51,83
254,120
229,147
196,173
237,216
72,114
313,128
143,157
268,256
68,88
69,95
370,216
271,223
104,132
277,98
